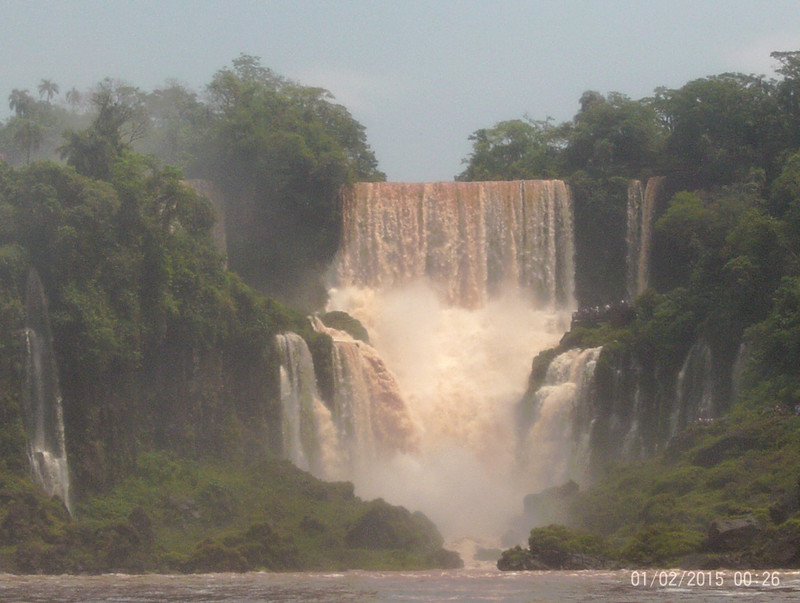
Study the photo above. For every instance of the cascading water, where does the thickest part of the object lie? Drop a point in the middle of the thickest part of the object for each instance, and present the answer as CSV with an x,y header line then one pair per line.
x,y
42,398
556,447
459,285
641,211
304,416
369,413
467,239
368,418
694,388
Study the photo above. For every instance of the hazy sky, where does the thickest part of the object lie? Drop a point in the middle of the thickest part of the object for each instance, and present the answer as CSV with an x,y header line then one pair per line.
x,y
421,76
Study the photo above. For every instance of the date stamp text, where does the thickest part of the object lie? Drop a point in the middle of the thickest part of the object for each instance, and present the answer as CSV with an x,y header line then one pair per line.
x,y
761,579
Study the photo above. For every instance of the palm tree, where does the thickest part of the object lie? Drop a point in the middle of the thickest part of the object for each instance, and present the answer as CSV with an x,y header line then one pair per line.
x,y
20,102
48,88
74,97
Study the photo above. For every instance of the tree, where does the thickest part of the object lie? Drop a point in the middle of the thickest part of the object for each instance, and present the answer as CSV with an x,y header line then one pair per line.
x,y
28,135
20,102
48,88
720,128
613,135
281,153
787,94
177,122
121,111
92,151
513,150
74,97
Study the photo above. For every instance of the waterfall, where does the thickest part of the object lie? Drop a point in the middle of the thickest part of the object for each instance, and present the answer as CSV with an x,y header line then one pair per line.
x,y
370,416
42,398
641,211
466,238
694,388
306,441
556,447
459,285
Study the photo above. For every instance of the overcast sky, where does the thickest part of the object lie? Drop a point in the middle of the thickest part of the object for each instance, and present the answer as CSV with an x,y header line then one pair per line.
x,y
421,76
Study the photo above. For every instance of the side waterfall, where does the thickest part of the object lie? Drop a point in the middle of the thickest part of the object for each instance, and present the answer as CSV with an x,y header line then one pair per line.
x,y
556,446
368,419
642,202
305,429
41,398
371,418
694,389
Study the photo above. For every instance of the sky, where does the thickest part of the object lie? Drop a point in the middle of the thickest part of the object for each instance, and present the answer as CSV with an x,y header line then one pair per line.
x,y
421,76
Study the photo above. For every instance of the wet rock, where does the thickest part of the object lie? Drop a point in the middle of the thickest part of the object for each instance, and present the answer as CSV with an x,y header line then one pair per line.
x,y
732,534
518,559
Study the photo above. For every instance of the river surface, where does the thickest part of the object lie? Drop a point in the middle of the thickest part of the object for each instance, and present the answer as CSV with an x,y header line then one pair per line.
x,y
455,585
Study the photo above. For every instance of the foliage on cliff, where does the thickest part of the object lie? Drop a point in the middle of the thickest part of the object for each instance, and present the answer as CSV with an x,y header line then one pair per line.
x,y
149,328
278,151
170,387
175,515
715,132
721,489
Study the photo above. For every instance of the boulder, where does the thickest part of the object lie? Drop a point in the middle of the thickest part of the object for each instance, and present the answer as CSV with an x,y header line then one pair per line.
x,y
518,559
732,534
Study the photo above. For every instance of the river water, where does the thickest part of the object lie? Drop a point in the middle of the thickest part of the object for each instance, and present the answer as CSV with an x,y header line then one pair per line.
x,y
455,585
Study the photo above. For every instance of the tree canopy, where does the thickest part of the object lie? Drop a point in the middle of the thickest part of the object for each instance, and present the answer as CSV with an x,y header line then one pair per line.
x,y
279,152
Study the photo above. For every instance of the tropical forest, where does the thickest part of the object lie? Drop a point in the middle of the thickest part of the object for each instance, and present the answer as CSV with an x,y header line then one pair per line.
x,y
228,344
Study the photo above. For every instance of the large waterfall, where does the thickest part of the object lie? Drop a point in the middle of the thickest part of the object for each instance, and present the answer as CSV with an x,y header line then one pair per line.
x,y
642,202
467,239
42,398
459,285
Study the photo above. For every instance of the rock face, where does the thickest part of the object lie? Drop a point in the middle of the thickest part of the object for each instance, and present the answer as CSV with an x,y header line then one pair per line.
x,y
733,534
558,547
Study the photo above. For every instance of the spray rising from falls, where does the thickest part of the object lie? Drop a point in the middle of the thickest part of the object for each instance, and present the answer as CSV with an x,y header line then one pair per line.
x,y
459,285
641,211
42,398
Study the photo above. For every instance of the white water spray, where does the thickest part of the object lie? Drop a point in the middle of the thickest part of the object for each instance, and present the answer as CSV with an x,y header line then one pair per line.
x,y
459,286
556,448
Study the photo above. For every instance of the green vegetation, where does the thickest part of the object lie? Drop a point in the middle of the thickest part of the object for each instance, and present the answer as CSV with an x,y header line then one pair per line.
x,y
278,151
558,547
724,278
167,363
663,511
172,514
170,379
